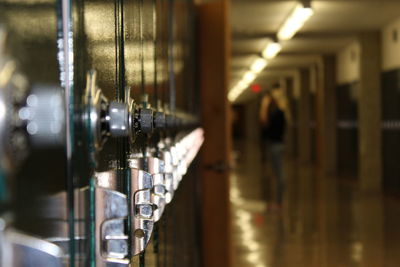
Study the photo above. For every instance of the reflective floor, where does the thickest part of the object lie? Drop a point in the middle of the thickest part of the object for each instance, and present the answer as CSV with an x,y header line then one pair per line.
x,y
324,222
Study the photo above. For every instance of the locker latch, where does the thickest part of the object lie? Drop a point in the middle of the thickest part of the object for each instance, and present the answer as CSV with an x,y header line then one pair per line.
x,y
141,207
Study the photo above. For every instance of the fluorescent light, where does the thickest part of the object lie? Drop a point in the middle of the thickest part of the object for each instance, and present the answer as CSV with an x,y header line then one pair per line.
x,y
231,97
243,84
239,88
238,91
271,50
249,77
294,22
258,65
253,257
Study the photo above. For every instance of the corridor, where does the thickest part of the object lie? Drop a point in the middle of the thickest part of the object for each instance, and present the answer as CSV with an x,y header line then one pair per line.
x,y
104,106
324,222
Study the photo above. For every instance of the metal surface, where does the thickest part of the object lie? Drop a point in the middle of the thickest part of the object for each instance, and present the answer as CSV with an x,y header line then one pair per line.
x,y
44,116
107,179
146,120
118,119
111,239
13,90
54,211
96,106
111,212
156,168
159,120
20,250
81,212
141,206
177,177
169,175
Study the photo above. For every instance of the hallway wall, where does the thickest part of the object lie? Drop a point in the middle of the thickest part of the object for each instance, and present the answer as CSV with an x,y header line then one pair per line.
x,y
391,46
348,75
347,129
348,89
391,129
390,79
348,64
252,124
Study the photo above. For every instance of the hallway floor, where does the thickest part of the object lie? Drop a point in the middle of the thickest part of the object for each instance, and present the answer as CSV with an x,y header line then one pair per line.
x,y
324,222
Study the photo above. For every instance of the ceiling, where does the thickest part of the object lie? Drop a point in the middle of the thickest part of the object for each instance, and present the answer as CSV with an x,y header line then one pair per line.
x,y
335,24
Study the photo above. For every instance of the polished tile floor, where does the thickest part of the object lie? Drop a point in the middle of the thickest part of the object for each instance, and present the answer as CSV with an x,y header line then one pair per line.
x,y
324,222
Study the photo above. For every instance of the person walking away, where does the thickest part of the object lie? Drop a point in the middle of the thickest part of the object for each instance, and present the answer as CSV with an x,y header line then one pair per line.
x,y
273,125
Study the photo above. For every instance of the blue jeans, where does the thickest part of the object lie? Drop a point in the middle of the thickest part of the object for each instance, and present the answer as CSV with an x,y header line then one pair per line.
x,y
274,156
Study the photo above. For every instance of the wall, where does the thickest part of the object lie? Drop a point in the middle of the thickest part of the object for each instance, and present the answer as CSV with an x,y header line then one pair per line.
x,y
391,130
391,46
347,130
348,64
292,89
313,91
252,122
348,74
390,105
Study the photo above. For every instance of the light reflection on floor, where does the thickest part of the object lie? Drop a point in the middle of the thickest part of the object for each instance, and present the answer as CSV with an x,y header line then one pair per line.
x,y
243,213
325,222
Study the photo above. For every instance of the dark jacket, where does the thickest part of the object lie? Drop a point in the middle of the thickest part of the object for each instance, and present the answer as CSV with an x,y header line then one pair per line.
x,y
275,128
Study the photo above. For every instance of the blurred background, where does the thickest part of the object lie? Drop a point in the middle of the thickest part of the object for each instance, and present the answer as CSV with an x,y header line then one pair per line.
x,y
332,67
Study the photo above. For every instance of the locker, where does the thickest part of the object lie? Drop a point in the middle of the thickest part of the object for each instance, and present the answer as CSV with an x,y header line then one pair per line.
x,y
99,127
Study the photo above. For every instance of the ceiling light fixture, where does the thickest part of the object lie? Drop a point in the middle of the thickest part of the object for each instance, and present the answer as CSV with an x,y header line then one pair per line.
x,y
231,96
295,21
258,65
242,85
271,50
249,77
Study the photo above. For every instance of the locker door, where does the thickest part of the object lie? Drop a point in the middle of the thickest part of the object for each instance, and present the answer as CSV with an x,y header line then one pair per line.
x,y
98,134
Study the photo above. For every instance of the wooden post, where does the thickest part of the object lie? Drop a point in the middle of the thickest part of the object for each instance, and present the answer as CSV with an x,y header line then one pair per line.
x,y
214,54
326,115
369,113
304,131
